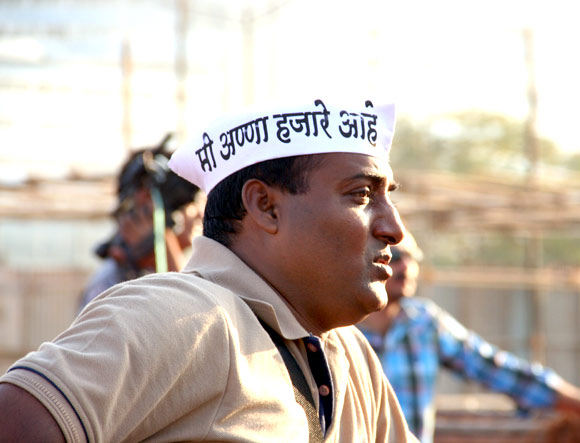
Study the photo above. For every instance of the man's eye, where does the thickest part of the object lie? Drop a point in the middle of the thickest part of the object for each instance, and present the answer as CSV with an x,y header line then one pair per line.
x,y
362,193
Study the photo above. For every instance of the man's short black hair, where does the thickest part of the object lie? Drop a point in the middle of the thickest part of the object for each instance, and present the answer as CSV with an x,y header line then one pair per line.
x,y
224,208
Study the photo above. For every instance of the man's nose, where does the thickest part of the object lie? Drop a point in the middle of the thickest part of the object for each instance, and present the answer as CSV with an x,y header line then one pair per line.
x,y
388,225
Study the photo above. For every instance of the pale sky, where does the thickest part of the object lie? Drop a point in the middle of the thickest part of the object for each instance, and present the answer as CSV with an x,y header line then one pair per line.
x,y
456,54
60,103
493,71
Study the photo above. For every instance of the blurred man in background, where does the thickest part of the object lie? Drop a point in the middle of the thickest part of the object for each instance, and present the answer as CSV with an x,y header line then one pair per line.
x,y
148,192
414,338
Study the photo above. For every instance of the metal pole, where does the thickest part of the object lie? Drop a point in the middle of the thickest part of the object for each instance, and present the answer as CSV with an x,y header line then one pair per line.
x,y
126,93
534,245
248,23
182,18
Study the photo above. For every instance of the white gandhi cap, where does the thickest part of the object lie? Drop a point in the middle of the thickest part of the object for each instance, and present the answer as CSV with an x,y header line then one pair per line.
x,y
234,142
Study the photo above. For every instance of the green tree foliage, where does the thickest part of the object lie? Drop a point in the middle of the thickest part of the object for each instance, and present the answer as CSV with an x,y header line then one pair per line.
x,y
480,143
574,162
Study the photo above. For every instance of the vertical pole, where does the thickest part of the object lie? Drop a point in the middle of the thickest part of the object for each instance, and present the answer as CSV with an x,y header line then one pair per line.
x,y
248,21
126,93
534,249
182,18
532,148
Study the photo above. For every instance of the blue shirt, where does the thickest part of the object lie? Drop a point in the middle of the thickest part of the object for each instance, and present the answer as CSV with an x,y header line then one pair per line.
x,y
424,337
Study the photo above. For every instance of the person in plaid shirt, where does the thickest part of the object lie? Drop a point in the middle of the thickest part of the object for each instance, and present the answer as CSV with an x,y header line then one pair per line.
x,y
414,338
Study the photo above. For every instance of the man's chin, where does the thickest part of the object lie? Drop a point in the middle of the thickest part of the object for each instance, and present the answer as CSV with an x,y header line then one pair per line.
x,y
380,302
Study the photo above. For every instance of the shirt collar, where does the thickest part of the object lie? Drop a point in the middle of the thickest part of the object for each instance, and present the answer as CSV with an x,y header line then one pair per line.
x,y
214,262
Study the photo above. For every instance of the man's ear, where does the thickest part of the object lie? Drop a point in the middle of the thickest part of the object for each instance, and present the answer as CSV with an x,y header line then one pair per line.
x,y
260,201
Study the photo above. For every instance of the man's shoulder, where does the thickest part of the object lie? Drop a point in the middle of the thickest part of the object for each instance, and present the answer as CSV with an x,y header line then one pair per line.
x,y
349,333
353,342
364,367
168,306
171,292
420,306
419,314
178,281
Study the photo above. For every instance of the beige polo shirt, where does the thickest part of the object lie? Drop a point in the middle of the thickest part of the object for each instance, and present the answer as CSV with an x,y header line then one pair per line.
x,y
182,357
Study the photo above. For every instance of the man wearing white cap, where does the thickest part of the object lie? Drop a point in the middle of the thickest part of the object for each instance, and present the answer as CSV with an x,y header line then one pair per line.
x,y
253,341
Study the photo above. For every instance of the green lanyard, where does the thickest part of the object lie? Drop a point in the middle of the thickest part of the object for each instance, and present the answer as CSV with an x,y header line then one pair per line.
x,y
159,231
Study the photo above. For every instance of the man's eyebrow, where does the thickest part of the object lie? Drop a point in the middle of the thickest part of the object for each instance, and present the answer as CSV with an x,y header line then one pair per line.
x,y
377,180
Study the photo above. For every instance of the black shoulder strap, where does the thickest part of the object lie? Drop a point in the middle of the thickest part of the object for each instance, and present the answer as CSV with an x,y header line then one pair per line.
x,y
301,388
